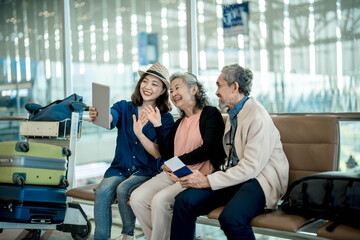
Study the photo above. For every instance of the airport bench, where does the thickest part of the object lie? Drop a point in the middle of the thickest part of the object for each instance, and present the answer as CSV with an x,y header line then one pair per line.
x,y
311,144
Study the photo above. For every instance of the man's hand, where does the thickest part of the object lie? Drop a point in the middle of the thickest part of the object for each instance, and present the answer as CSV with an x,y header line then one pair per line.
x,y
195,180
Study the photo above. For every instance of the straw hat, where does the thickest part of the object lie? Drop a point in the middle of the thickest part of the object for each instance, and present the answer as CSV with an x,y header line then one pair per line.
x,y
159,71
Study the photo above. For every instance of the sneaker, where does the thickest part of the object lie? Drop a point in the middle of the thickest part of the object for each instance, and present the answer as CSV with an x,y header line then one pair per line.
x,y
127,237
124,237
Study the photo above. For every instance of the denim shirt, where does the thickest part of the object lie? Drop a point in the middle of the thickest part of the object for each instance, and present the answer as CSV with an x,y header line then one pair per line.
x,y
130,155
233,112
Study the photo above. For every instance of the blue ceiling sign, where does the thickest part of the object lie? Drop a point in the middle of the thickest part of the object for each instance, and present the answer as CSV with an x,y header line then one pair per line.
x,y
235,18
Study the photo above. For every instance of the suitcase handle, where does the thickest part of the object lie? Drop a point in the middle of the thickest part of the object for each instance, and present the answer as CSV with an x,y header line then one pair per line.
x,y
6,160
40,220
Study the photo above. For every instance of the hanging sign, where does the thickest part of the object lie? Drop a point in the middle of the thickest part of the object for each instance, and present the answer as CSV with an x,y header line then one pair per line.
x,y
235,18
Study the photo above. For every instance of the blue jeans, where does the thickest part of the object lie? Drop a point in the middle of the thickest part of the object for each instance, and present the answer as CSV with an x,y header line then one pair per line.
x,y
242,203
119,187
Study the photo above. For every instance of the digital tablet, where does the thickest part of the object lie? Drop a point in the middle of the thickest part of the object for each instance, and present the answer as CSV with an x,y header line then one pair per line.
x,y
101,101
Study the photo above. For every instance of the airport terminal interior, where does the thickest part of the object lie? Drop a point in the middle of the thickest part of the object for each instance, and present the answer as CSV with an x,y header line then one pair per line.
x,y
304,54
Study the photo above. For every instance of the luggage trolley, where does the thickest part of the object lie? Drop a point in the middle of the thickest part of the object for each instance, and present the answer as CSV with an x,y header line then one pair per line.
x,y
75,220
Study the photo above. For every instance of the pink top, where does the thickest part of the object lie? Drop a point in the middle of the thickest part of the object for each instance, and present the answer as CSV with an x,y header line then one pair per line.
x,y
187,139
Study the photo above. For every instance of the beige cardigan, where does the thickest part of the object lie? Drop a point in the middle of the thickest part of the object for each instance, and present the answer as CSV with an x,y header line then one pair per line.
x,y
260,153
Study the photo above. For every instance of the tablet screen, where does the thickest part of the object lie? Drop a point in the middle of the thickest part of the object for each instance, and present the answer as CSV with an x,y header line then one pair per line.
x,y
101,101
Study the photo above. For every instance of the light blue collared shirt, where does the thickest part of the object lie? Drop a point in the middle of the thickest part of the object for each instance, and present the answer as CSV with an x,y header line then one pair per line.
x,y
233,112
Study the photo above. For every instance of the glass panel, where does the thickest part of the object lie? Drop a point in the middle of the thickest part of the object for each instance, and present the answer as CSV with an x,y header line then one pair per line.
x,y
304,54
30,58
111,41
350,145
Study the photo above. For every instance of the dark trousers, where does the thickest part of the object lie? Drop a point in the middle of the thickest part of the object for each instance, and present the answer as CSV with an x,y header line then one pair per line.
x,y
242,203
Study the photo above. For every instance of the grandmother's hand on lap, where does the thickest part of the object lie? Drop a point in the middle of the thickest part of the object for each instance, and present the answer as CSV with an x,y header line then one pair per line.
x,y
165,168
195,180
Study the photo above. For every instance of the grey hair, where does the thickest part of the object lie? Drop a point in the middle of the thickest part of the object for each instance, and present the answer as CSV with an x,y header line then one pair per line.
x,y
243,76
190,80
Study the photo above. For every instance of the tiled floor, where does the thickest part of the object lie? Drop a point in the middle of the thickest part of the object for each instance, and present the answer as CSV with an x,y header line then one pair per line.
x,y
203,232
207,233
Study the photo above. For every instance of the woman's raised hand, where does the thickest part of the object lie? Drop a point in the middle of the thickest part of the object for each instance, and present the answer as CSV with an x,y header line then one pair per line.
x,y
140,123
153,115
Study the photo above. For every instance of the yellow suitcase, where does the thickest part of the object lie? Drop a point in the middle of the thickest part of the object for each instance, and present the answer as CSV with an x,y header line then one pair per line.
x,y
33,163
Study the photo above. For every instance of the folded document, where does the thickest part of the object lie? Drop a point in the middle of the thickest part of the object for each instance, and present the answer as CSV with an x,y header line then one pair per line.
x,y
178,167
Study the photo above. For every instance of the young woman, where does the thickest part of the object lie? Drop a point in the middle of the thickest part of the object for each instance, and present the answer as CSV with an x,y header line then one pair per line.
x,y
137,158
196,138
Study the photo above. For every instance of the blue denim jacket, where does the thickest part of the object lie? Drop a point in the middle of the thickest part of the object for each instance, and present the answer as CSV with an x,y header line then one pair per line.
x,y
130,155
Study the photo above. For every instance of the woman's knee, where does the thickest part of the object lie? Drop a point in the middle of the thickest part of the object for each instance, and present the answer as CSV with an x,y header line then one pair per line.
x,y
136,198
104,193
121,192
161,201
108,186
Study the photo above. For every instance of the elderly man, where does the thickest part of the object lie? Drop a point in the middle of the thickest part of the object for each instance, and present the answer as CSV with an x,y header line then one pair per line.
x,y
253,178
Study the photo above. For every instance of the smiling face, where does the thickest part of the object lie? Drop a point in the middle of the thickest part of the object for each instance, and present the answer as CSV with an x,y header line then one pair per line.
x,y
151,88
228,95
181,95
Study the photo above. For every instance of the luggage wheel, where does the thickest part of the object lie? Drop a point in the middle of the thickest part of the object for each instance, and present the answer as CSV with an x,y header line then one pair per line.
x,y
84,235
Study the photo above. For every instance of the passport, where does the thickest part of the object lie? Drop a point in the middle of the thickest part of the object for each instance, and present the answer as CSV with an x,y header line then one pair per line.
x,y
178,167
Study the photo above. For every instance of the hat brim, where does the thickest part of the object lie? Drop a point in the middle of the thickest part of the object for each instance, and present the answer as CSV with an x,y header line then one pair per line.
x,y
167,84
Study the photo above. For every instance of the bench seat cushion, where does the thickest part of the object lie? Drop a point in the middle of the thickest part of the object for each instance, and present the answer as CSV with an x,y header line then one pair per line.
x,y
86,192
277,220
341,232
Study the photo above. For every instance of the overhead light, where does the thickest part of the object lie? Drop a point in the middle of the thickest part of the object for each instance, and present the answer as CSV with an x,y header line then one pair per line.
x,y
79,4
13,20
46,14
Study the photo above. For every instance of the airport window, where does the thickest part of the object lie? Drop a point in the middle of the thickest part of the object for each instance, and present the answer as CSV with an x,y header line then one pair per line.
x,y
111,41
303,55
30,54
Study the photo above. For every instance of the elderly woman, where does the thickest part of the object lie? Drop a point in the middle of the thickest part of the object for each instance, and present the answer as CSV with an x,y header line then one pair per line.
x,y
196,138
